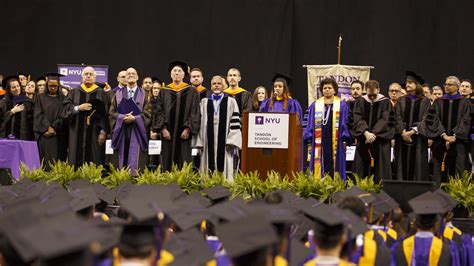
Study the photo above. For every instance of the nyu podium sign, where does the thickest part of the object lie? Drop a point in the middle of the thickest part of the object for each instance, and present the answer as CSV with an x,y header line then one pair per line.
x,y
268,130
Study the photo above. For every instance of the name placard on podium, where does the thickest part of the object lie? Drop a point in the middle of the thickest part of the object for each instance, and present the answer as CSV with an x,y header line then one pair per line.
x,y
268,130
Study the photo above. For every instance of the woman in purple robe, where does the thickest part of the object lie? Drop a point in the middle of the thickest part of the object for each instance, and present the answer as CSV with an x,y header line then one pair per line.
x,y
280,100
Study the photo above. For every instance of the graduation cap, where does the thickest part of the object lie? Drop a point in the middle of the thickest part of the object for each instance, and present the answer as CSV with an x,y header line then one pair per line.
x,y
231,210
446,197
280,77
65,241
7,80
247,235
83,198
355,191
217,193
41,78
410,75
429,203
180,64
188,248
52,76
127,106
384,203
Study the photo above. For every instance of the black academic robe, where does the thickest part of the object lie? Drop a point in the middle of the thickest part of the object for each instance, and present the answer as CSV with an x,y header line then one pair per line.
x,y
244,101
176,111
453,118
47,113
411,159
19,124
375,118
445,257
83,146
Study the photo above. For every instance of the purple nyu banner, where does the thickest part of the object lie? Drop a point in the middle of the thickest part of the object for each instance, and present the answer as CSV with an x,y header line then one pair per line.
x,y
73,74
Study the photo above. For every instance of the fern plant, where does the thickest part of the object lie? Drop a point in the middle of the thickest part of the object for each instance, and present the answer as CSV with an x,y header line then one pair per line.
x,y
331,185
149,177
187,179
214,179
61,172
117,177
247,185
34,174
367,184
461,189
91,171
275,181
306,185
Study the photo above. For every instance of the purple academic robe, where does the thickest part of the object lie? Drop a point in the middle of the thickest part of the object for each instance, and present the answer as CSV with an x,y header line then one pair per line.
x,y
135,135
343,136
293,107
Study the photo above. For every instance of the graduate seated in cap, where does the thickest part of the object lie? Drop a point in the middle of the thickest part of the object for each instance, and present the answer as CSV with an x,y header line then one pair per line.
x,y
258,96
373,129
16,112
219,136
137,245
280,100
50,128
372,249
86,107
130,117
424,248
453,234
242,96
382,218
325,132
450,132
177,118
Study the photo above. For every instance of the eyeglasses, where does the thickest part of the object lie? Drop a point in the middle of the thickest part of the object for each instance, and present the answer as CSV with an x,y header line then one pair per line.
x,y
393,91
449,84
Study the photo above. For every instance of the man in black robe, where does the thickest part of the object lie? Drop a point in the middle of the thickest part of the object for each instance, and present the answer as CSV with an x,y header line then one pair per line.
x,y
50,128
85,107
177,118
373,130
450,133
16,112
411,144
242,96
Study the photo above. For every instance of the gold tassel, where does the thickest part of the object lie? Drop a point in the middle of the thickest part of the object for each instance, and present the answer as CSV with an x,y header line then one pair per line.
x,y
116,256
442,163
88,118
372,161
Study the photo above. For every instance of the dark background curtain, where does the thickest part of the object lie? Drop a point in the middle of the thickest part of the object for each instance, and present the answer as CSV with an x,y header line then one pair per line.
x,y
260,37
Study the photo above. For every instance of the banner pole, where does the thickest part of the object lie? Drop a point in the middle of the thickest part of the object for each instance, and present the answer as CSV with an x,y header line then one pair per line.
x,y
339,47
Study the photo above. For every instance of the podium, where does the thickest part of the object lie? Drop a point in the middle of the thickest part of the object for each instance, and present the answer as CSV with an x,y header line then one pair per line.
x,y
271,141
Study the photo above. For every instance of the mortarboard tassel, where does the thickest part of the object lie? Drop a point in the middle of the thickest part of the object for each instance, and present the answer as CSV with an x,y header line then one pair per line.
x,y
88,118
372,161
442,163
116,256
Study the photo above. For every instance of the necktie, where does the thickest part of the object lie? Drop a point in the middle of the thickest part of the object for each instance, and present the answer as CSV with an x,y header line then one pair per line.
x,y
130,94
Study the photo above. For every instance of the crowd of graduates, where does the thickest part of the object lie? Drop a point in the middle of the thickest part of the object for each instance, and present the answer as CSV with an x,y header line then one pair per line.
x,y
88,224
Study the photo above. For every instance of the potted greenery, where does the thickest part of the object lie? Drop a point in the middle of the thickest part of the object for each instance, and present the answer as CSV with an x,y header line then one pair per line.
x,y
461,189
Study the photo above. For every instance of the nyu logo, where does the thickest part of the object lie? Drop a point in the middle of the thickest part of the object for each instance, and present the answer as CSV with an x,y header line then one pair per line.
x,y
63,71
259,120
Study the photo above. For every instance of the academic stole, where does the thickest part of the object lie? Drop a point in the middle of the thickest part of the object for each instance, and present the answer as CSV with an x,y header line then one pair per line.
x,y
434,255
318,130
